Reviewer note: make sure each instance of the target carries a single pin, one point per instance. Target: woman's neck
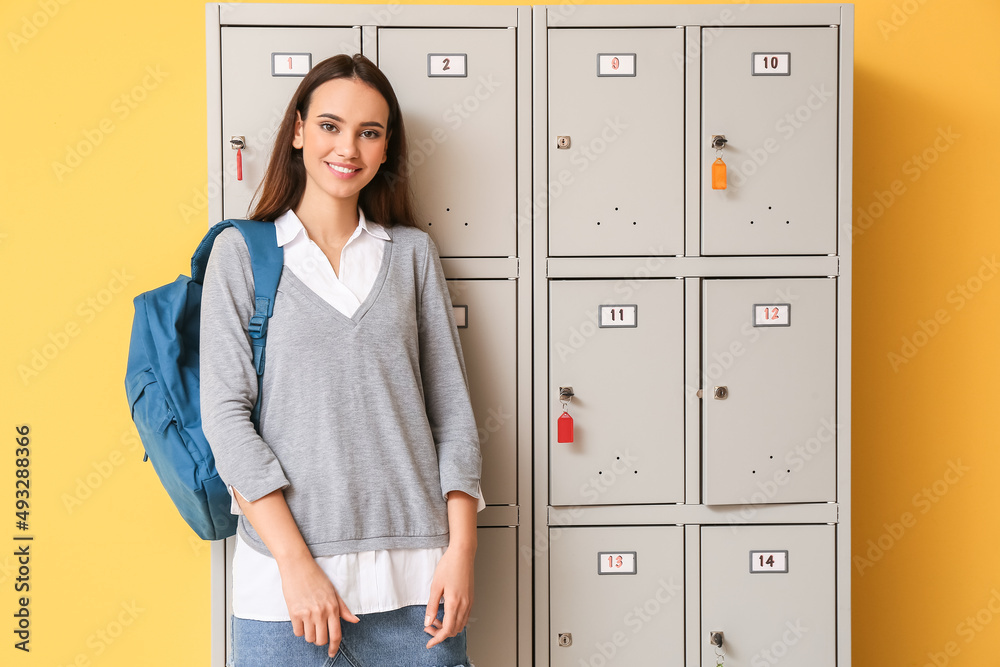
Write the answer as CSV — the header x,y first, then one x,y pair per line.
x,y
328,220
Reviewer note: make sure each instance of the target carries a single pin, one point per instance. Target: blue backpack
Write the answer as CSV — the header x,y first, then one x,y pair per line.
x,y
162,377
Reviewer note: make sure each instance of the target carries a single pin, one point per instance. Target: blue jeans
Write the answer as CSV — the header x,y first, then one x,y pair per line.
x,y
389,639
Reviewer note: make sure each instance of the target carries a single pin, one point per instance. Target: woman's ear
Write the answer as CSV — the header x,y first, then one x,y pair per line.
x,y
297,138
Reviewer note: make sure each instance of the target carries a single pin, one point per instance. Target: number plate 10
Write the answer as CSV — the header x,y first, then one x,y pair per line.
x,y
768,561
616,562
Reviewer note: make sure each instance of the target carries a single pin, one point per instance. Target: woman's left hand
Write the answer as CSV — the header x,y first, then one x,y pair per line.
x,y
453,580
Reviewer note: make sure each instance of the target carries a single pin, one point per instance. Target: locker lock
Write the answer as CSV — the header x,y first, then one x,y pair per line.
x,y
565,639
566,394
719,141
721,393
715,638
562,141
238,143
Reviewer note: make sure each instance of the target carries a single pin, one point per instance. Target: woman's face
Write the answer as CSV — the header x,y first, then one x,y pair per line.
x,y
343,138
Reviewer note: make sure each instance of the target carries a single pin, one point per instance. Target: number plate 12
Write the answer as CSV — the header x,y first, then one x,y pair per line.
x,y
772,315
616,562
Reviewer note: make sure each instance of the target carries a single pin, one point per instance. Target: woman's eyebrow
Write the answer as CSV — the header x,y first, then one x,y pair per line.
x,y
370,123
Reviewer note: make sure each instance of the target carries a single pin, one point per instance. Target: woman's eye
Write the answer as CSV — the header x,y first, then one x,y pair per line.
x,y
370,134
328,126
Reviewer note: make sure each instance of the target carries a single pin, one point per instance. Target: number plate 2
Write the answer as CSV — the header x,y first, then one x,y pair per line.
x,y
616,562
447,64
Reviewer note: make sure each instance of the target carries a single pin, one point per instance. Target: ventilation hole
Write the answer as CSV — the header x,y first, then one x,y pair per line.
x,y
751,222
598,222
788,470
754,471
600,472
447,209
768,208
636,472
616,208
619,458
770,457
429,224
786,222
466,224
633,222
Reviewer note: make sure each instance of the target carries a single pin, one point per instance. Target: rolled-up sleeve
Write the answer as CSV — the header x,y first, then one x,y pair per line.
x,y
446,389
228,378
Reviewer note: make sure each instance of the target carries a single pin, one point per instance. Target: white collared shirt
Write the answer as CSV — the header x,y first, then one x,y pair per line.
x,y
369,581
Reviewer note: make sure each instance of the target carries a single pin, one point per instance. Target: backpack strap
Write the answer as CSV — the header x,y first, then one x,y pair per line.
x,y
266,261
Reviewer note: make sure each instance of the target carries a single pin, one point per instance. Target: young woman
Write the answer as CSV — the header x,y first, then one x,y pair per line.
x,y
359,492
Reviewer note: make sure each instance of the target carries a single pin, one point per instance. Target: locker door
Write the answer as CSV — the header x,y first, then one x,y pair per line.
x,y
486,313
618,95
261,68
616,596
771,591
627,377
773,93
492,635
456,89
769,378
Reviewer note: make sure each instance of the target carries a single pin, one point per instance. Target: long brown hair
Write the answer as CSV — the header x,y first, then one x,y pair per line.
x,y
386,199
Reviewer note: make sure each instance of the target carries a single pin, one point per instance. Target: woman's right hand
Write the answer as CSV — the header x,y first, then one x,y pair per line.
x,y
314,605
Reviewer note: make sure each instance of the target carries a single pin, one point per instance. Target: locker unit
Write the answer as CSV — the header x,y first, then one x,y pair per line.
x,y
627,381
457,90
617,596
261,68
771,591
461,76
486,315
711,346
772,92
608,194
769,426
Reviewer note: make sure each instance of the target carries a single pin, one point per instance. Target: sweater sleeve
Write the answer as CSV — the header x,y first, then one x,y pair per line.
x,y
228,378
446,389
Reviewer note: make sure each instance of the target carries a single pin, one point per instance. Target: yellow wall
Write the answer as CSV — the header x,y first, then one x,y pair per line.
x,y
117,579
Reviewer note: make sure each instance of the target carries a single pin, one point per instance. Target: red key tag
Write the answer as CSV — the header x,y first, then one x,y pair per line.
x,y
239,164
564,426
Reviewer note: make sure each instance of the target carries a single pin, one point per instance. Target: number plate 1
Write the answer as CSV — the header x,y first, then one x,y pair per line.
x,y
768,561
616,562
772,315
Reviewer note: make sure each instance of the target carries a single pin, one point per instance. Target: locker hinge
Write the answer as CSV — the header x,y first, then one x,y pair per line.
x,y
700,394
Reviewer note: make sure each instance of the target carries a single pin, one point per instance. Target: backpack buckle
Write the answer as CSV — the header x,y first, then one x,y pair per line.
x,y
258,326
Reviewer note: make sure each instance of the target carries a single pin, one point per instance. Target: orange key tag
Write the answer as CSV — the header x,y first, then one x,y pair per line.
x,y
718,174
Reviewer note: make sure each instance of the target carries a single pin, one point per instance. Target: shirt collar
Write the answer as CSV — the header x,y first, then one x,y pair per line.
x,y
287,227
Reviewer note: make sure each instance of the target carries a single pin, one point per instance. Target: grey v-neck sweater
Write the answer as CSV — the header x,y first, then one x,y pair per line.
x,y
365,421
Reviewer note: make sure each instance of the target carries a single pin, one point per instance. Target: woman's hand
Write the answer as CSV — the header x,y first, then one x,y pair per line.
x,y
453,580
453,577
314,605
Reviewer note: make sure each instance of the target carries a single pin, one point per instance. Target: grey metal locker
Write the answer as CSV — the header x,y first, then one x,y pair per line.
x,y
261,68
771,591
616,179
617,596
769,377
492,628
457,91
619,345
486,314
772,92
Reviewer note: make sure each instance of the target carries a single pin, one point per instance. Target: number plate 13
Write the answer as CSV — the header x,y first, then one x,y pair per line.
x,y
616,562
